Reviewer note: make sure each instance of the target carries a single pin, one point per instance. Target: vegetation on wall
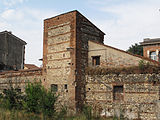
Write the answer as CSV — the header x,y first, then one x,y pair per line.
x,y
136,49
142,68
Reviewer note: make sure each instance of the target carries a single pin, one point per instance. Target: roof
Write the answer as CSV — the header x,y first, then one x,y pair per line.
x,y
10,33
144,58
149,41
78,13
30,66
20,71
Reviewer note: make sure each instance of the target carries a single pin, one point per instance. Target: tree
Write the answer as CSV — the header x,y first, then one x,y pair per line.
x,y
136,49
39,100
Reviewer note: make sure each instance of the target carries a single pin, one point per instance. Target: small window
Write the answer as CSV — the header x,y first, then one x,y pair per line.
x,y
95,60
54,87
153,55
65,86
118,93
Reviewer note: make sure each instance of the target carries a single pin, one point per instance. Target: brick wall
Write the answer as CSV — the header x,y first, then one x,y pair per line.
x,y
59,48
150,48
65,53
19,78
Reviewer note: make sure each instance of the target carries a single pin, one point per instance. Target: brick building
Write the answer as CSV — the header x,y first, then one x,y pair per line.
x,y
12,50
71,43
151,48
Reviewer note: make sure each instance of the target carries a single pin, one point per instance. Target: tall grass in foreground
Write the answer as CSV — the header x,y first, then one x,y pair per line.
x,y
22,115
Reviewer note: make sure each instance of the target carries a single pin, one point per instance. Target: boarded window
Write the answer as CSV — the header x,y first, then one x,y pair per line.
x,y
118,93
54,87
95,60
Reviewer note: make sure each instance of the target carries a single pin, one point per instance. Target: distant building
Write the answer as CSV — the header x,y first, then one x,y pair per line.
x,y
12,50
30,66
151,48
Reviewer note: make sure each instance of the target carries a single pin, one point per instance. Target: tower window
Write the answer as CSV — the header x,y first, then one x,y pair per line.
x,y
65,86
54,87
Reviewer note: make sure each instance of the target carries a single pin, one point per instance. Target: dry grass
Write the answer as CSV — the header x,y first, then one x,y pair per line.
x,y
122,70
21,115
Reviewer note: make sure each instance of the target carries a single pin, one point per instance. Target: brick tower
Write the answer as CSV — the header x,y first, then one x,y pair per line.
x,y
65,55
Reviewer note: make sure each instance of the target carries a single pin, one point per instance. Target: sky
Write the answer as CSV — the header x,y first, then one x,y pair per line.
x,y
125,22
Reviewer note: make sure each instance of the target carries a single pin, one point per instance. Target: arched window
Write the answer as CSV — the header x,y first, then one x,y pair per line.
x,y
153,55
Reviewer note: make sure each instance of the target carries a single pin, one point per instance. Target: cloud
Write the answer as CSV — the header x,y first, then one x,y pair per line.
x,y
10,3
27,24
130,22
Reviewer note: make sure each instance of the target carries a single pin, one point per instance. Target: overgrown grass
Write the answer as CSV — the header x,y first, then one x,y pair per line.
x,y
22,115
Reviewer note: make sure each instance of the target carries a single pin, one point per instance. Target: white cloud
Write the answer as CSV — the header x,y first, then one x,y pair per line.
x,y
27,24
131,22
12,2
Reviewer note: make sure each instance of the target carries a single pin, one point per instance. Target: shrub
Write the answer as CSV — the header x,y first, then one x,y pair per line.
x,y
38,100
87,111
33,96
12,98
48,103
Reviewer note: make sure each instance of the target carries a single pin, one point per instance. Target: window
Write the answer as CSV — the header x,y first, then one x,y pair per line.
x,y
65,86
95,60
153,55
118,93
54,87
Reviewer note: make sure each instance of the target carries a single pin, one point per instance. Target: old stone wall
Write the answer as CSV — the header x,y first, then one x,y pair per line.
x,y
138,99
59,55
113,57
85,31
65,54
19,78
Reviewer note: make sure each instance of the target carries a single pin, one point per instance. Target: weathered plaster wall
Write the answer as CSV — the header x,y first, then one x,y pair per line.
x,y
12,51
140,94
111,57
19,78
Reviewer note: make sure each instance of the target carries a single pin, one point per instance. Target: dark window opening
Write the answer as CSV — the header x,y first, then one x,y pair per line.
x,y
54,87
95,60
118,93
2,66
65,86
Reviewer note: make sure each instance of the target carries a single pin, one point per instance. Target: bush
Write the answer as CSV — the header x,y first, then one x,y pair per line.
x,y
48,103
12,98
32,102
39,100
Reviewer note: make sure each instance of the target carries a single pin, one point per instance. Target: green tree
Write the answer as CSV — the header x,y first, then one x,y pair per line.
x,y
39,100
136,49
32,102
